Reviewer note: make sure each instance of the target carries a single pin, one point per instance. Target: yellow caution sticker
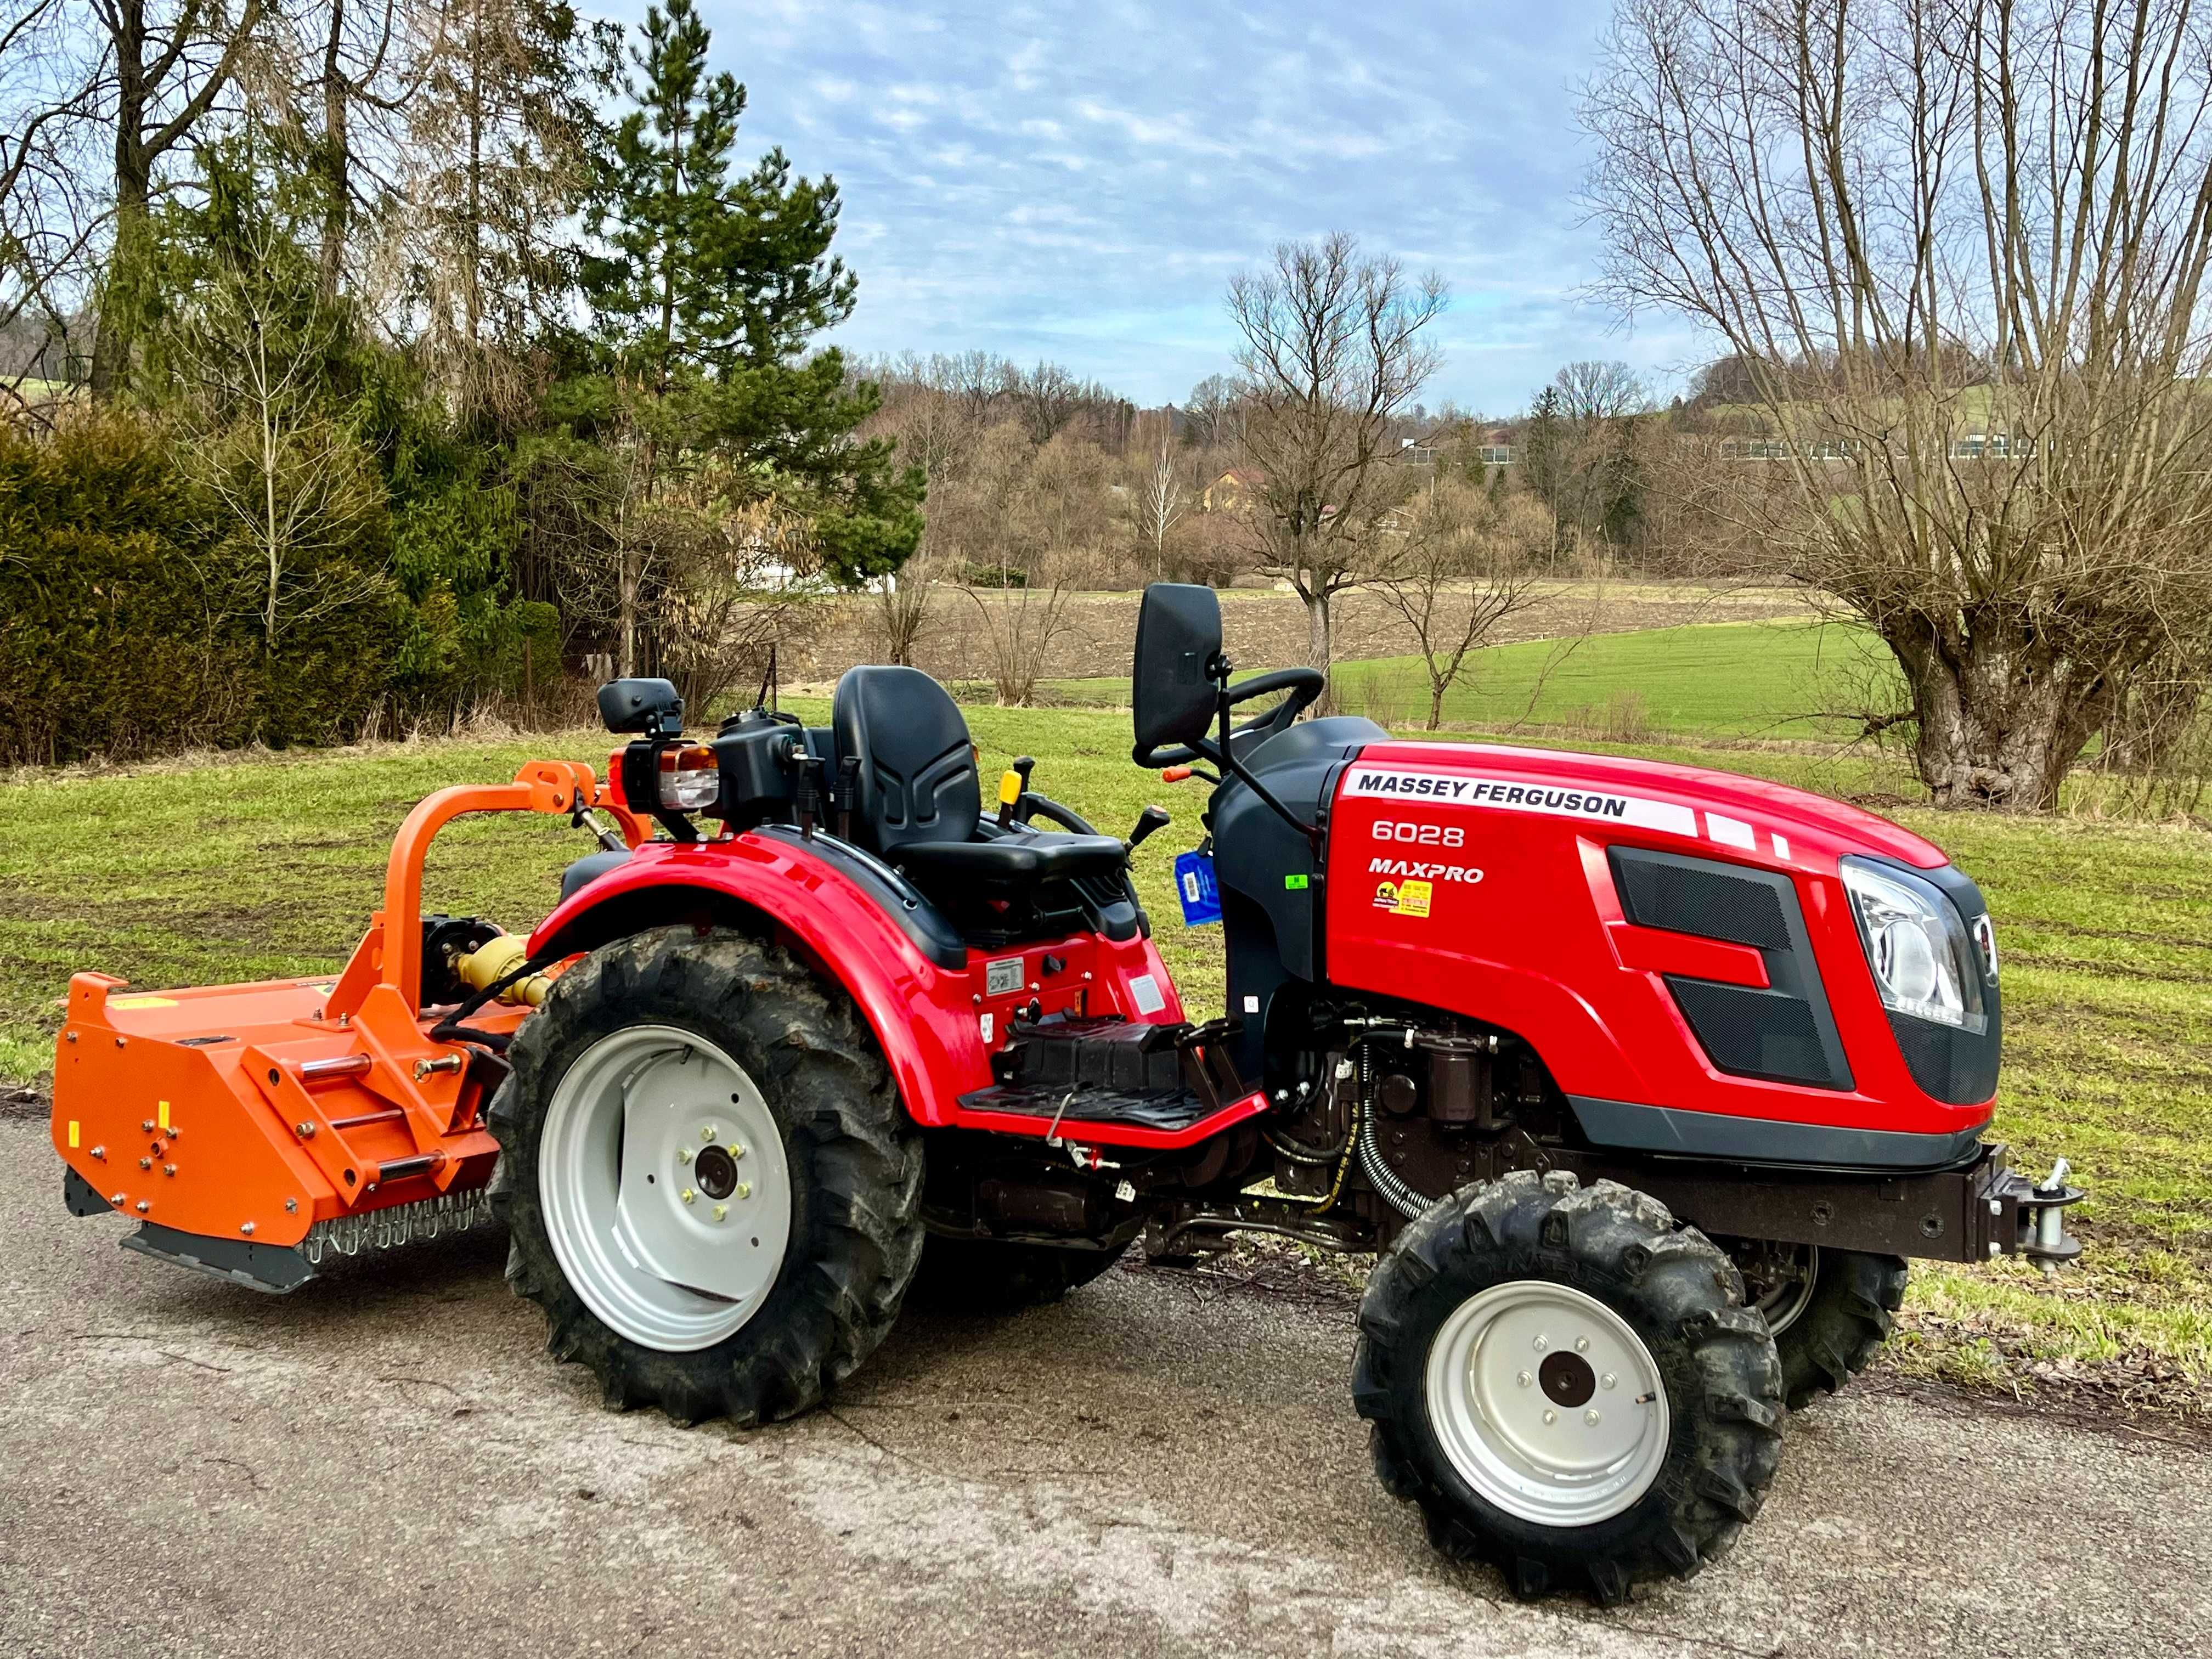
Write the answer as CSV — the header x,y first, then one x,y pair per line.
x,y
73,1141
1404,898
162,1114
142,1002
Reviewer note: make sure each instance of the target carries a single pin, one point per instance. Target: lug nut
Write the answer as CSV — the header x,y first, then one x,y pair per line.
x,y
1550,1417
737,1149
706,1134
1590,1417
1541,1343
1607,1381
683,1154
745,1189
721,1213
690,1196
1582,1345
1524,1379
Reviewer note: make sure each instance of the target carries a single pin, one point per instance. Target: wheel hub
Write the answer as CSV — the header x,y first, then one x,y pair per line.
x,y
1567,1378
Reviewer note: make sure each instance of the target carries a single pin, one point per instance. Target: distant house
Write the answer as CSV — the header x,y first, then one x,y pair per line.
x,y
1233,490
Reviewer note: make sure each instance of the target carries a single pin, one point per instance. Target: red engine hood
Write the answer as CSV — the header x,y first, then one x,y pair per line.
x,y
1831,826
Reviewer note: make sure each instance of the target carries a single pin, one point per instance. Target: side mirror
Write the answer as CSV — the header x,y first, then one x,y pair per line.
x,y
1172,690
651,707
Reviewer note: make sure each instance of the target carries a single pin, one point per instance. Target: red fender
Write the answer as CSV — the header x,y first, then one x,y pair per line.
x,y
930,1021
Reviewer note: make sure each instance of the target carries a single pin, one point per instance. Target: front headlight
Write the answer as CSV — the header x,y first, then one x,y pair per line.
x,y
1926,963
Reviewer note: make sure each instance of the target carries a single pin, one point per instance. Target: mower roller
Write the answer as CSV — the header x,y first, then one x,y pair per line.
x,y
1643,1081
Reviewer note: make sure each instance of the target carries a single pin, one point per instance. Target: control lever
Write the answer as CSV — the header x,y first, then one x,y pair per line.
x,y
1012,782
809,768
847,794
1150,819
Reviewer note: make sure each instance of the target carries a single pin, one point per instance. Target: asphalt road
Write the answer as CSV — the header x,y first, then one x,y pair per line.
x,y
387,1463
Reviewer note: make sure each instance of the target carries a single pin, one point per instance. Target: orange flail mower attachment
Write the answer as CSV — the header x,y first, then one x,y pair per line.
x,y
254,1113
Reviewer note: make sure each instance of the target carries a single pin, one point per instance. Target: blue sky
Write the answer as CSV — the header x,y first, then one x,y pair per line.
x,y
1078,181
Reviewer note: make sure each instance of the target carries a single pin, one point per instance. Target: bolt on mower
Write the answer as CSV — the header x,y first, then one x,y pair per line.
x,y
1643,1080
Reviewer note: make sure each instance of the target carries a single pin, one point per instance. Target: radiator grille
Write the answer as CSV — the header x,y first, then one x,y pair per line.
x,y
1703,899
1751,1033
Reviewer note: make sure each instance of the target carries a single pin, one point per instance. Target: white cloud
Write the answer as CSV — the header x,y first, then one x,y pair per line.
x,y
1079,181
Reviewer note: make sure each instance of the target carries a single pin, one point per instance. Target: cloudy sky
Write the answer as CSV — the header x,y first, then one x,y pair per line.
x,y
1079,181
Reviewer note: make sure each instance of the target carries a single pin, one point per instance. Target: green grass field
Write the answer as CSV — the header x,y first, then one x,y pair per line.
x,y
260,866
1710,680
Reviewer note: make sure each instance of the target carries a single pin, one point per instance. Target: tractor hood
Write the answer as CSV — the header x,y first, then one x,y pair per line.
x,y
1690,801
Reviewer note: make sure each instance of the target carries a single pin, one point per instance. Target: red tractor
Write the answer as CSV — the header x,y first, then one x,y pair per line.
x,y
1643,1080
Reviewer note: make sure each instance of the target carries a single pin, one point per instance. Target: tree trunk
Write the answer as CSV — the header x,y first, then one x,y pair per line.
x,y
2001,718
1321,644
1436,689
122,296
335,160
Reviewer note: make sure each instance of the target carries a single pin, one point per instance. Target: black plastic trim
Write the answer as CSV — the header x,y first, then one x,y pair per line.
x,y
1632,1127
1794,1005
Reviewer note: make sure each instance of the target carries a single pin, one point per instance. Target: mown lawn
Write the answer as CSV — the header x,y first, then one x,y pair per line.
x,y
257,865
1745,679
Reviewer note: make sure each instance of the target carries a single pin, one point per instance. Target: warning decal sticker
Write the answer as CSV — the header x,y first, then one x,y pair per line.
x,y
1404,898
1559,800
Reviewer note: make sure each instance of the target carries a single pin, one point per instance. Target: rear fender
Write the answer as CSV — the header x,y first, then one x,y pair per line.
x,y
920,1012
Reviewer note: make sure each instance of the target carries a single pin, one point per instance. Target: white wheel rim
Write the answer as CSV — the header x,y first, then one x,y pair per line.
x,y
1547,1403
665,1186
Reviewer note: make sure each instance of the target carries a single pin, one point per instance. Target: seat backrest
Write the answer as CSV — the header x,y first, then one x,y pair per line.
x,y
917,778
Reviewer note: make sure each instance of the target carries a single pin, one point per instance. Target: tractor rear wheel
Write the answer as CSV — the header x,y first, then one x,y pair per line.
x,y
1830,1310
981,1275
709,1182
1567,1385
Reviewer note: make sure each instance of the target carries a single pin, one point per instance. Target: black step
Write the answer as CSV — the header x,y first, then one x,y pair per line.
x,y
1092,1054
1166,1109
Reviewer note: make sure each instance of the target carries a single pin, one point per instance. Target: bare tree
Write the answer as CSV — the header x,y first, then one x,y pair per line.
x,y
1592,391
1158,500
50,210
1026,524
1460,563
1333,348
1209,413
1957,250
938,429
297,487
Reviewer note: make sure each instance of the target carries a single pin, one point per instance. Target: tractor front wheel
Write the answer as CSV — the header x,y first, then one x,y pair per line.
x,y
1830,1310
709,1182
1568,1385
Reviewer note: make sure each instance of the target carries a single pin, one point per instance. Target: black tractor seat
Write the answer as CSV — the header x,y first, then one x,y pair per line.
x,y
919,806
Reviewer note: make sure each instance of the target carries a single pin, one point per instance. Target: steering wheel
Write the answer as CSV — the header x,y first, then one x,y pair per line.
x,y
1304,685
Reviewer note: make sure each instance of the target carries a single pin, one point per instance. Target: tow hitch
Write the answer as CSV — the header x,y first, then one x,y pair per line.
x,y
2037,1228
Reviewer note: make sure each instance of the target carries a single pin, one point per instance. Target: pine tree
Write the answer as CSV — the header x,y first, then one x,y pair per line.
x,y
708,288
